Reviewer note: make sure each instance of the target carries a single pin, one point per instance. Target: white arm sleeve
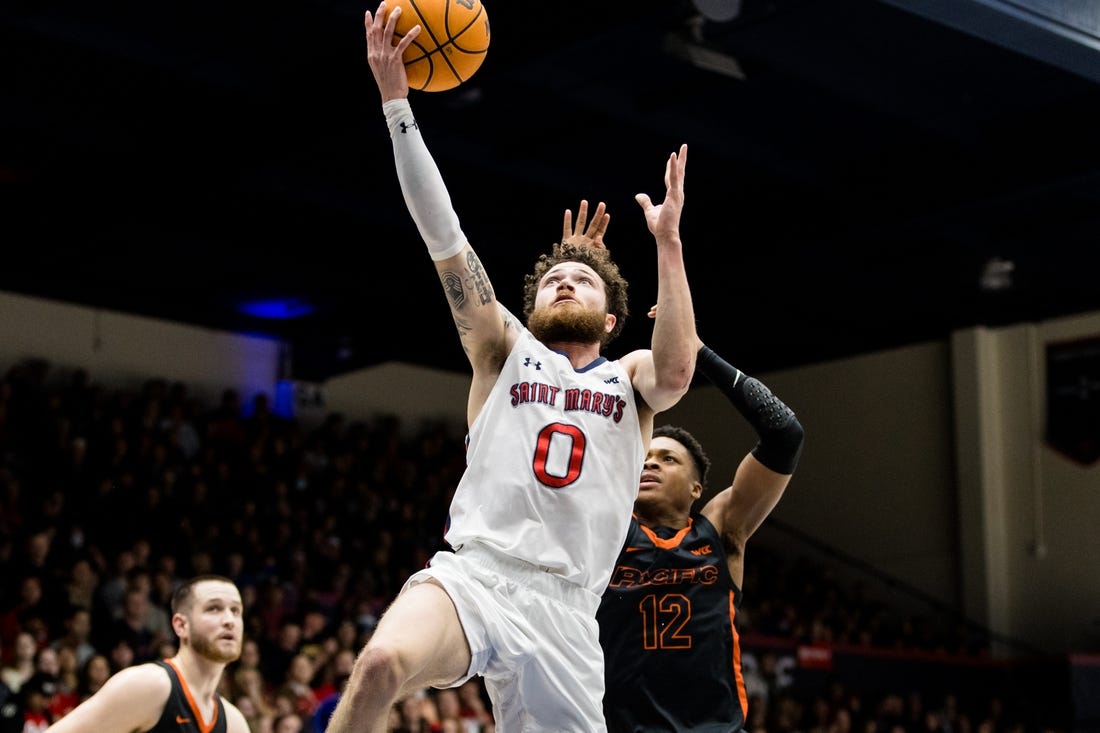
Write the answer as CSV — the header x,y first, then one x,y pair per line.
x,y
425,193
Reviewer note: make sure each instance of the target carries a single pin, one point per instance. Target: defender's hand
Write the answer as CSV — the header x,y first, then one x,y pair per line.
x,y
593,235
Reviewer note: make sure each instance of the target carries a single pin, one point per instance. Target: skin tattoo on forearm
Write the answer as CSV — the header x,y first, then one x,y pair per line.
x,y
481,283
452,286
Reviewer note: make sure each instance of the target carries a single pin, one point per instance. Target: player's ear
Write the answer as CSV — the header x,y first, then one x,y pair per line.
x,y
179,624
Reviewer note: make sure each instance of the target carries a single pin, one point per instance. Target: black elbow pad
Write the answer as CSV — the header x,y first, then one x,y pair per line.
x,y
780,432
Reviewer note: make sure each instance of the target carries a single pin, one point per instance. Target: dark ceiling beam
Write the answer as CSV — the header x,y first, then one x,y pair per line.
x,y
1063,34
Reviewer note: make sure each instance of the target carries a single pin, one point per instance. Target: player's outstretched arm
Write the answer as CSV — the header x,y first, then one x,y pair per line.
x,y
666,376
762,476
480,323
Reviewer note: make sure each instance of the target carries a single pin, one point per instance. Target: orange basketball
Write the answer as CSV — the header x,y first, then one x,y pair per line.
x,y
453,40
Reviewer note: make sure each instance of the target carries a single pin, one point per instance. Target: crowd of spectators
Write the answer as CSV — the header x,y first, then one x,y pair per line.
x,y
110,496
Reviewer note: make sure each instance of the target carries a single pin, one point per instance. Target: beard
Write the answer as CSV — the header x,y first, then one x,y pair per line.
x,y
212,650
554,325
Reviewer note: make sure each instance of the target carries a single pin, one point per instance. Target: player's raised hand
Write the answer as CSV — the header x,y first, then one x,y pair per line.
x,y
663,219
592,236
384,56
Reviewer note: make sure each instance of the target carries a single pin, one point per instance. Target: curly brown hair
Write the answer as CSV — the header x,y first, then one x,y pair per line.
x,y
600,261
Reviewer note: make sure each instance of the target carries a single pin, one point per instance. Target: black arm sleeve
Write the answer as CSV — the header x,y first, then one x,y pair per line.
x,y
779,430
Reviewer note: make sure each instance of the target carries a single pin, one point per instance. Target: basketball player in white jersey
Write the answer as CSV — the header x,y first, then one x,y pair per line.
x,y
557,437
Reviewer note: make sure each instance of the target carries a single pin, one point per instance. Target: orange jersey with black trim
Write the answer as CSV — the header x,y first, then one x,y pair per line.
x,y
672,659
181,711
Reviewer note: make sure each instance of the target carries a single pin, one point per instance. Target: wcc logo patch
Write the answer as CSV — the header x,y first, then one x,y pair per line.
x,y
1073,399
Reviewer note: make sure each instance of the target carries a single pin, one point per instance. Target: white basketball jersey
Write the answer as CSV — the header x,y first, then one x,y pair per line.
x,y
552,465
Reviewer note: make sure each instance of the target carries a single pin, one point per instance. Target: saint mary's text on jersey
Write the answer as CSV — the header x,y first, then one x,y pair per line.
x,y
583,400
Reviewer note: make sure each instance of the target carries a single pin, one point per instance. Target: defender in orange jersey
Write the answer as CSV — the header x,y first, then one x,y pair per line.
x,y
669,610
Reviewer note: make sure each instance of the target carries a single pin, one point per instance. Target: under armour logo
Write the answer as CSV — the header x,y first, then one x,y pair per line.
x,y
406,126
537,365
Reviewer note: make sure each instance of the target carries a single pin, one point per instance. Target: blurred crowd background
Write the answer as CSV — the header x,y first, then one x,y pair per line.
x,y
110,496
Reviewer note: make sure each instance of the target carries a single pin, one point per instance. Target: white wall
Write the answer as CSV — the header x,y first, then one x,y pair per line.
x,y
1029,512
876,478
415,393
122,349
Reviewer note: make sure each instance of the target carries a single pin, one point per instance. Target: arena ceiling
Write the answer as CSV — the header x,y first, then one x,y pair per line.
x,y
862,174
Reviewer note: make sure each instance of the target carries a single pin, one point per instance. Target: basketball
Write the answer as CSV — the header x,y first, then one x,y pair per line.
x,y
453,41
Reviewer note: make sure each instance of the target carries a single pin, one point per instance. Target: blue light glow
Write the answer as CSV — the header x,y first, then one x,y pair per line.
x,y
278,309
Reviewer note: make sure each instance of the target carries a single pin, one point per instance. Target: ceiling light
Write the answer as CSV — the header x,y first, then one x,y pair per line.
x,y
997,274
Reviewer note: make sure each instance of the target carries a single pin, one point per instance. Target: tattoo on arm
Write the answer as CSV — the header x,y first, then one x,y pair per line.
x,y
452,286
464,328
457,285
478,279
464,331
